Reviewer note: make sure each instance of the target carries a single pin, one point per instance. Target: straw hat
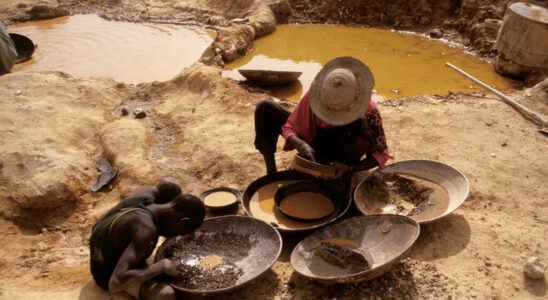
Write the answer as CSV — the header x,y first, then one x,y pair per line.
x,y
341,91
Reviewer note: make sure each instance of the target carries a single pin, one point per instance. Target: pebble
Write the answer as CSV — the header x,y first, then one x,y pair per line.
x,y
493,155
124,111
18,93
534,268
139,113
435,33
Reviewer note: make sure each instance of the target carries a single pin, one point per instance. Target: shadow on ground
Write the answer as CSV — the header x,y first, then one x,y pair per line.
x,y
265,287
535,287
399,283
92,292
443,238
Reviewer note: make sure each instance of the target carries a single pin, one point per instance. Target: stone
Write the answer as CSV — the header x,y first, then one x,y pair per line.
x,y
124,111
435,33
139,113
534,268
54,163
281,9
40,12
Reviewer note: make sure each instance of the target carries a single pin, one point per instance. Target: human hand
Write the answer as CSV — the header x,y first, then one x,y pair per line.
x,y
306,151
170,267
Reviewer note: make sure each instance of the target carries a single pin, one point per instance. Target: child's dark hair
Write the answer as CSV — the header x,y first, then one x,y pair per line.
x,y
168,188
192,207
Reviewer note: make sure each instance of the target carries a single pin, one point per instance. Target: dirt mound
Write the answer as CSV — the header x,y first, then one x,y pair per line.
x,y
398,13
54,163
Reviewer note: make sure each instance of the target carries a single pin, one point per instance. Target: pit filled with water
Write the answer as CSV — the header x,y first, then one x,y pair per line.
x,y
90,46
403,64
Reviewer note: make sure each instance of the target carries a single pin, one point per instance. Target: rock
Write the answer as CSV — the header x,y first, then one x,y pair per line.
x,y
39,12
124,111
263,21
53,164
234,41
139,113
435,33
484,35
281,9
534,268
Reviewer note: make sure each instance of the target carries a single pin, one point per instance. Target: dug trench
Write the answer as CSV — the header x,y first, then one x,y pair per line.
x,y
199,129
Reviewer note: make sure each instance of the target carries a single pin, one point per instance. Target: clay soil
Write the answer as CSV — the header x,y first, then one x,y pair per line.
x,y
199,128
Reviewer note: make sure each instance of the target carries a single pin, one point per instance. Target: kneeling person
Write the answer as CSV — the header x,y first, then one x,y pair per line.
x,y
126,236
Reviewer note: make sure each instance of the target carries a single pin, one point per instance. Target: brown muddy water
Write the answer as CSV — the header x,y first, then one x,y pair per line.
x,y
90,46
403,64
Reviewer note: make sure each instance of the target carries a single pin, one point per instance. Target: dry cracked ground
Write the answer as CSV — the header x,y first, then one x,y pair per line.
x,y
199,129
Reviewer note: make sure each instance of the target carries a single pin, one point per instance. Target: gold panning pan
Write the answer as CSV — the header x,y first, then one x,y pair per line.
x,y
318,170
270,78
383,241
258,201
218,237
450,189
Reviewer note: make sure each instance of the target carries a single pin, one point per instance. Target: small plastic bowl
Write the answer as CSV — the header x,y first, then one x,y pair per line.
x,y
237,197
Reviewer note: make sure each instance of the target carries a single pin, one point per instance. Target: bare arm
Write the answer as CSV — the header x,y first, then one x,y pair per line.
x,y
302,147
126,277
368,163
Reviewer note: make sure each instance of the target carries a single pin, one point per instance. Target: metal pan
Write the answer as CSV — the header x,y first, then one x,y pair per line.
x,y
24,46
383,240
450,179
270,78
265,248
342,204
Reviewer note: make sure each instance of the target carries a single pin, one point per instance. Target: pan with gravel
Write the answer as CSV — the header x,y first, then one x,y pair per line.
x,y
224,254
356,249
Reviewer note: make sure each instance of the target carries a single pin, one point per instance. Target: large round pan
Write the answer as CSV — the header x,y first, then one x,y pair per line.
x,y
342,203
24,46
450,179
270,78
383,240
265,248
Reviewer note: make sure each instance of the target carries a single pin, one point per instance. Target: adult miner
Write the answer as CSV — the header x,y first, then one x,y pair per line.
x,y
336,121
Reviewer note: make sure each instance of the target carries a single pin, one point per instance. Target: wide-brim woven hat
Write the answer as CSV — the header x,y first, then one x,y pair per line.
x,y
341,91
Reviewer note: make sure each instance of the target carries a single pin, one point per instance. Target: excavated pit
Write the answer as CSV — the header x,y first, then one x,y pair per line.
x,y
90,46
404,64
199,128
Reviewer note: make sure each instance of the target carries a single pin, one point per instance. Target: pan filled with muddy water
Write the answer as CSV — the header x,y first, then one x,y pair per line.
x,y
90,46
404,64
259,201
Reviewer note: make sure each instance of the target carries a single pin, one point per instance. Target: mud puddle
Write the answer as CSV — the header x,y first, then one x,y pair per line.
x,y
89,46
403,64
